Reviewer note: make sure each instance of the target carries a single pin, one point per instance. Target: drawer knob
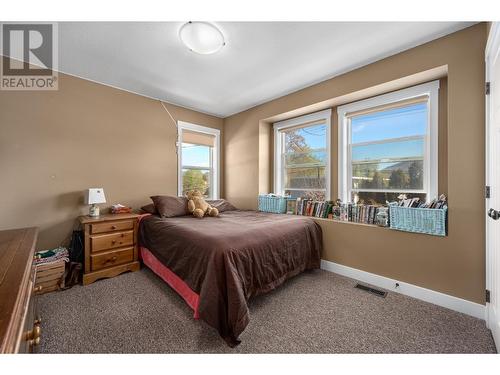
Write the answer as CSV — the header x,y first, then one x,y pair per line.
x,y
38,289
111,260
34,342
113,227
113,242
37,332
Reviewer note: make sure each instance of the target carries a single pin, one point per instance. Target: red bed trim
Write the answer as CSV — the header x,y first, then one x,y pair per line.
x,y
175,282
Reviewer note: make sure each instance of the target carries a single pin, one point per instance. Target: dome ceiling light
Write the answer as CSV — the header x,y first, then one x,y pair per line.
x,y
201,37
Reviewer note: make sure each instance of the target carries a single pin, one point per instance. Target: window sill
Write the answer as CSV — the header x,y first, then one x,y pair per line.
x,y
347,222
374,226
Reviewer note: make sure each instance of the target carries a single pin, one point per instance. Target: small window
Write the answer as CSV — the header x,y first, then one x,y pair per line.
x,y
302,156
198,154
389,146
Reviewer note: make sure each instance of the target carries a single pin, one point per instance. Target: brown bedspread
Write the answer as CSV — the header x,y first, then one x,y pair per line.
x,y
231,258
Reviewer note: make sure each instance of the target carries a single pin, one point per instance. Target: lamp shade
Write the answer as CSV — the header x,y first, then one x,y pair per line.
x,y
94,196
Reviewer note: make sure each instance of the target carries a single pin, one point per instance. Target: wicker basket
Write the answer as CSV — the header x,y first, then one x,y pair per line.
x,y
272,203
418,220
50,276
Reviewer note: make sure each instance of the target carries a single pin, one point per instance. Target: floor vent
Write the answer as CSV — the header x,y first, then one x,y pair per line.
x,y
377,292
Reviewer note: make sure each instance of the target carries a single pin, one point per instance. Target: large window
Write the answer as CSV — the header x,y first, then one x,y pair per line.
x,y
198,154
302,156
388,146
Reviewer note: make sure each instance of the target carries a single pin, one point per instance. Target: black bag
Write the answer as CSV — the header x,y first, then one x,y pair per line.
x,y
72,275
73,272
76,247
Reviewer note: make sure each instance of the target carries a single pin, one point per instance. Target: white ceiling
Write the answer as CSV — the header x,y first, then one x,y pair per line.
x,y
260,62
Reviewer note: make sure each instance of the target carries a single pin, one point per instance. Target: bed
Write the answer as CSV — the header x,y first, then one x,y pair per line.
x,y
217,264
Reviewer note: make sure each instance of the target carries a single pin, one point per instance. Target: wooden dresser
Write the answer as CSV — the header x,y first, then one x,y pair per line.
x,y
110,245
19,324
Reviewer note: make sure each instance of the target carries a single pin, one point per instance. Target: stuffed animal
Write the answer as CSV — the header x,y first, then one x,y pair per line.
x,y
198,206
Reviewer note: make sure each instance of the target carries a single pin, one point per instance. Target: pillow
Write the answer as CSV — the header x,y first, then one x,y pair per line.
x,y
168,206
150,209
222,205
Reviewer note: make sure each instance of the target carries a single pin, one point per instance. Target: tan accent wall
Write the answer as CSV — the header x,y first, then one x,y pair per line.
x,y
453,265
54,145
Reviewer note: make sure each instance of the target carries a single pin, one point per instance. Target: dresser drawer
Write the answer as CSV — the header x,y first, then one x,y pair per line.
x,y
111,226
112,240
111,258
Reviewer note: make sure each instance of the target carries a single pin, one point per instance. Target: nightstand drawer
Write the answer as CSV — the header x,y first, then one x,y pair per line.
x,y
112,240
111,258
111,226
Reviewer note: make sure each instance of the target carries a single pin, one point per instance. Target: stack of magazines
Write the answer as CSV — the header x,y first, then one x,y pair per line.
x,y
437,203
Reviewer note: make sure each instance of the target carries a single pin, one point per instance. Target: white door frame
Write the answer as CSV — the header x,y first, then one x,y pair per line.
x,y
491,54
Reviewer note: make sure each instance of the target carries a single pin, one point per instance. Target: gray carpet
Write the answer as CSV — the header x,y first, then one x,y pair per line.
x,y
316,312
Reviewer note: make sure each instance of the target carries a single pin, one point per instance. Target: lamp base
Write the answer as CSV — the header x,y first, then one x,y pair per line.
x,y
94,211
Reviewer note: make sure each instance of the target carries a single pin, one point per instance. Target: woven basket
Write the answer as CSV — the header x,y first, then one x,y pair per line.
x,y
272,203
418,220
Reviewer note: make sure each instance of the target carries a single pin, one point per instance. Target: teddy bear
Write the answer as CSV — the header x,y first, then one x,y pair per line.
x,y
198,206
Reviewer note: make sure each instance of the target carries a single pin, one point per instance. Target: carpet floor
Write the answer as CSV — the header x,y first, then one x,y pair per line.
x,y
316,312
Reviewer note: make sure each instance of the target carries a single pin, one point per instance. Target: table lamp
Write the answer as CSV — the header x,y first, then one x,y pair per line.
x,y
93,197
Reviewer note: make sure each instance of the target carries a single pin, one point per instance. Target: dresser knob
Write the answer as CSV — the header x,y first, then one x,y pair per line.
x,y
111,260
113,242
113,227
34,342
38,289
37,332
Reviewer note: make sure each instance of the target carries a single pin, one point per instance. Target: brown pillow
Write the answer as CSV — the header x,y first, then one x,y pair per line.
x,y
150,209
168,206
222,205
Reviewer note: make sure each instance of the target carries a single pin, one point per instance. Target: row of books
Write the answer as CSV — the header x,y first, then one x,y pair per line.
x,y
366,214
308,207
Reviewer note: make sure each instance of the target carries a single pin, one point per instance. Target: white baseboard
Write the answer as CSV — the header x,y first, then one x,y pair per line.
x,y
492,322
454,303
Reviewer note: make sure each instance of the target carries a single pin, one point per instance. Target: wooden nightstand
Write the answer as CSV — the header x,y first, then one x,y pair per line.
x,y
110,245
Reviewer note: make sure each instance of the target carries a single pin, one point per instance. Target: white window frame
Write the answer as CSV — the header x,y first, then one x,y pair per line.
x,y
325,115
430,89
214,157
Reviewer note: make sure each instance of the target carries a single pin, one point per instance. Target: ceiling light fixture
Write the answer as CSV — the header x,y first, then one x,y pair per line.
x,y
201,37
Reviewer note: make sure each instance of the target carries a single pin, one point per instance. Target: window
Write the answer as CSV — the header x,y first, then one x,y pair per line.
x,y
198,156
388,146
302,156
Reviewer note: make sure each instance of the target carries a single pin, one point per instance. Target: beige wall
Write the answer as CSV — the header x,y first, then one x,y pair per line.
x,y
53,145
454,265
